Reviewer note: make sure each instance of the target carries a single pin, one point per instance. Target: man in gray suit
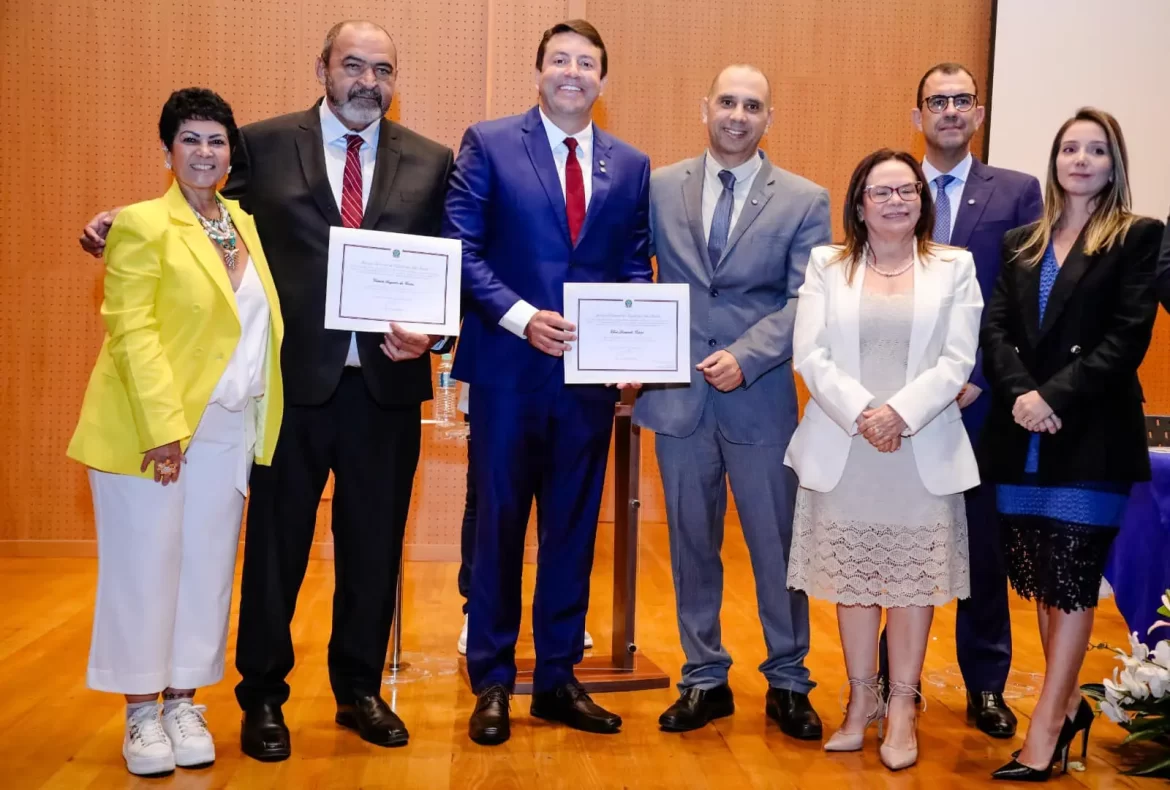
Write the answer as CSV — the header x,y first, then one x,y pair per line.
x,y
738,230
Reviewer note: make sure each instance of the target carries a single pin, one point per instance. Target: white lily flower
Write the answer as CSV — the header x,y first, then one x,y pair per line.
x,y
1137,648
1134,687
1156,625
1161,654
1115,713
1157,678
1115,691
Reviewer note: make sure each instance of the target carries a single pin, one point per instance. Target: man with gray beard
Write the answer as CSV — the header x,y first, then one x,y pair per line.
x,y
352,400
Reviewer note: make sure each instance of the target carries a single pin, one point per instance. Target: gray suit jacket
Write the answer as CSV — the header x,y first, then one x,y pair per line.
x,y
744,303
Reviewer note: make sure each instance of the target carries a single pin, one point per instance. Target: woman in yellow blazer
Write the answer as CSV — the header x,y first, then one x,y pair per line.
x,y
186,392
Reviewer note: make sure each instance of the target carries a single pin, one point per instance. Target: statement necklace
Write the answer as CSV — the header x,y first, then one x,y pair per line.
x,y
223,232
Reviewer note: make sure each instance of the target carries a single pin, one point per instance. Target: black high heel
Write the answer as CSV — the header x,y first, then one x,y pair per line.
x,y
1015,771
1082,720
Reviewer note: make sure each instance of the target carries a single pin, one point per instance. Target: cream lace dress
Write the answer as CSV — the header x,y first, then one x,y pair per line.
x,y
880,538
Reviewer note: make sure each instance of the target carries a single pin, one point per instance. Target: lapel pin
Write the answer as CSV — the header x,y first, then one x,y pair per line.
x,y
755,202
971,202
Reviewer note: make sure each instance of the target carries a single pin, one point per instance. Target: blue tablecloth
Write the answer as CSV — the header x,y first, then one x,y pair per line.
x,y
1138,568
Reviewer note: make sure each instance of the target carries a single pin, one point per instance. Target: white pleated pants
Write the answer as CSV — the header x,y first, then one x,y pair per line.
x,y
166,561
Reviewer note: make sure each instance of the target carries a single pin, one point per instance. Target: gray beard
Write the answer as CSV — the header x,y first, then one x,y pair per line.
x,y
358,115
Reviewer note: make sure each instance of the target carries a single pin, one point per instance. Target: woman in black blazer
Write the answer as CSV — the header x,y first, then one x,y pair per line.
x,y
1067,327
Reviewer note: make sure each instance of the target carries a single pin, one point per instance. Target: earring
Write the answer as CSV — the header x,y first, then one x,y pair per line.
x,y
229,169
167,164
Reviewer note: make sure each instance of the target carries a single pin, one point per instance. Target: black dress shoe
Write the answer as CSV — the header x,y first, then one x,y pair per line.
x,y
570,705
263,734
794,713
373,720
990,714
489,722
696,707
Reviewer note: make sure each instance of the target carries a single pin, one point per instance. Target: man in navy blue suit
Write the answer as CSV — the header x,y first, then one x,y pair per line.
x,y
975,205
538,200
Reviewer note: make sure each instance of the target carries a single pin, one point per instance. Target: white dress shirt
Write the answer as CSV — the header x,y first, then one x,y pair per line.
x,y
745,176
517,318
960,172
333,134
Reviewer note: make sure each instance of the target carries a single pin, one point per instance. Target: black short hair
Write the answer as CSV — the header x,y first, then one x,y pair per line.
x,y
944,68
195,104
581,28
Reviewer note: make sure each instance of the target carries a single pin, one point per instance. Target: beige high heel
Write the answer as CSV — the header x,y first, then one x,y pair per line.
x,y
842,741
892,757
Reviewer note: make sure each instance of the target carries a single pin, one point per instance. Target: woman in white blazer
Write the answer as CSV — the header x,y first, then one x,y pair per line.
x,y
886,331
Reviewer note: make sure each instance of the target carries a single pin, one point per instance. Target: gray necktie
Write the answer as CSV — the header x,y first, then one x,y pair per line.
x,y
721,221
942,210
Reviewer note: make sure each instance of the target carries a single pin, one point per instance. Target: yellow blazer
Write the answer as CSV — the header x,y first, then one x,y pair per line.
x,y
171,327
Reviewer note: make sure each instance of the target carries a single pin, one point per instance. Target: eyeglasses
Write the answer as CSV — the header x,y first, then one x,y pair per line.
x,y
881,194
964,102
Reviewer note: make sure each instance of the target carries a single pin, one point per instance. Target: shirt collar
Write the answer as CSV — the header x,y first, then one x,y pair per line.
x,y
333,130
743,173
959,172
556,135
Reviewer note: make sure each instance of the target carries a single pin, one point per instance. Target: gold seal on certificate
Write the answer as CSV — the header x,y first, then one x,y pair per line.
x,y
377,277
628,332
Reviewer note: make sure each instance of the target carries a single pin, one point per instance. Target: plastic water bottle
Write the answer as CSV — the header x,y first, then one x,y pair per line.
x,y
446,393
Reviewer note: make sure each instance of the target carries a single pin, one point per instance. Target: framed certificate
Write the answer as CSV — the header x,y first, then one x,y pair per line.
x,y
628,332
376,277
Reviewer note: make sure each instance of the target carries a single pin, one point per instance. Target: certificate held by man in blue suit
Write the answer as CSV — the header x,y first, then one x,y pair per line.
x,y
628,332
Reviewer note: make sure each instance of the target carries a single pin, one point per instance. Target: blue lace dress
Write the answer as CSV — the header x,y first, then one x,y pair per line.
x,y
1057,537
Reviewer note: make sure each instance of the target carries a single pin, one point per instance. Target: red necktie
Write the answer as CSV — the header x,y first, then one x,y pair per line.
x,y
574,191
351,183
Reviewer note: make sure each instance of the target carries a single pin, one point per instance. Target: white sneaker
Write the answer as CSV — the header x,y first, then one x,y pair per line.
x,y
191,741
145,746
588,640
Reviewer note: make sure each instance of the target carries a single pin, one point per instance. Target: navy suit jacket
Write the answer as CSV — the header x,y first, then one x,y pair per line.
x,y
506,205
995,200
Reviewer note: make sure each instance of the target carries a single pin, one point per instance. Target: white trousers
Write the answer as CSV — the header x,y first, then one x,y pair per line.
x,y
166,561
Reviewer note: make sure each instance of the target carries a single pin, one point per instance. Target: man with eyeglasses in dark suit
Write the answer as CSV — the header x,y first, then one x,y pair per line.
x,y
975,205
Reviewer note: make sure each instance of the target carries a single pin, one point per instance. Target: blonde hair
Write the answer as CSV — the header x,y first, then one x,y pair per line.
x,y
1111,218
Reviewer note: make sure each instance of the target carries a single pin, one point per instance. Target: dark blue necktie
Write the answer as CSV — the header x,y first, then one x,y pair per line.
x,y
942,210
721,221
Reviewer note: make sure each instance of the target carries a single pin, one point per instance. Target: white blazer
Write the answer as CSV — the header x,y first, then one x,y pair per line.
x,y
826,352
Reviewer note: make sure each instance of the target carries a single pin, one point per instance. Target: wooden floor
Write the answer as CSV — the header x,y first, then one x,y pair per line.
x,y
56,733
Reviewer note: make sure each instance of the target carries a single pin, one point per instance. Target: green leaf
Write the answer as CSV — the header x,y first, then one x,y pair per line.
x,y
1146,734
1160,763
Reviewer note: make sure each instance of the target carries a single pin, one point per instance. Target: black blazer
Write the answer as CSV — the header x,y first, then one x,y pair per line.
x,y
1162,282
1083,360
279,177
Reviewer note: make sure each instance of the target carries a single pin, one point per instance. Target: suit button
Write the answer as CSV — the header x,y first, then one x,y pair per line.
x,y
711,342
196,308
219,356
714,292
